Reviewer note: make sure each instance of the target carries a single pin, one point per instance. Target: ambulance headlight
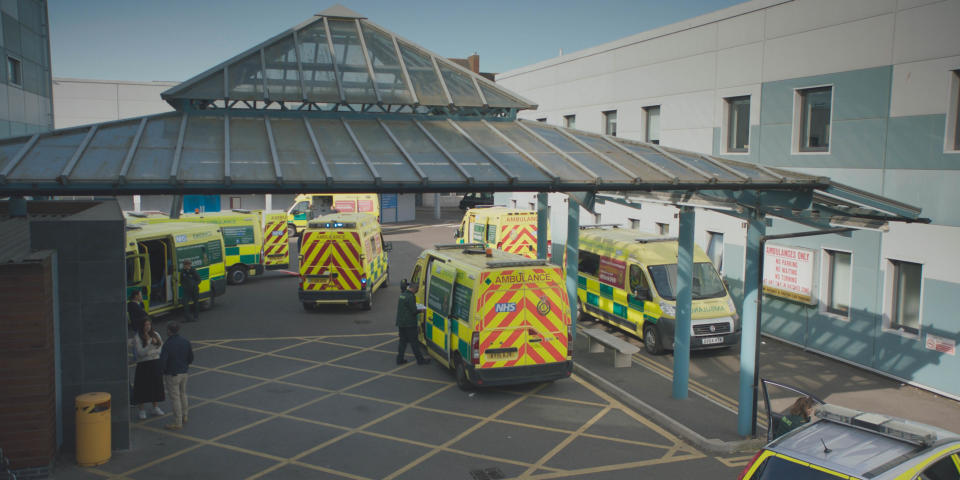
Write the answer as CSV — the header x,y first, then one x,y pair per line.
x,y
733,309
668,309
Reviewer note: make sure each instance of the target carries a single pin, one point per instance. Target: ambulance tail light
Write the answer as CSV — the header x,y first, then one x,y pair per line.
x,y
549,249
475,348
499,245
570,341
747,468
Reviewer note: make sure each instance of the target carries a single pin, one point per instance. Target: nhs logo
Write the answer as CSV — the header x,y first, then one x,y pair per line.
x,y
506,307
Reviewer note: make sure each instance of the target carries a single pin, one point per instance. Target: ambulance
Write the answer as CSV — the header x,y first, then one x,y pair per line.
x,y
276,246
629,279
155,252
242,238
310,205
343,260
507,229
492,317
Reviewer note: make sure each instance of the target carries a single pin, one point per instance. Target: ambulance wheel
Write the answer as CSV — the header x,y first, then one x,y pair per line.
x,y
651,340
237,275
308,306
368,303
462,381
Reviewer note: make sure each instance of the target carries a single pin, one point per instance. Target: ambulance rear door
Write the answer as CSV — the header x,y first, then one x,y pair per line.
x,y
546,316
502,324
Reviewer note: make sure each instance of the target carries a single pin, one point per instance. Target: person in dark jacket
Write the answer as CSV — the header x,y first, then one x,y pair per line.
x,y
175,359
190,283
798,414
407,325
135,310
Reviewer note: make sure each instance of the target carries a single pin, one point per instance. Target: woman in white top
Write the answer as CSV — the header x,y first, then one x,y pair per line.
x,y
148,381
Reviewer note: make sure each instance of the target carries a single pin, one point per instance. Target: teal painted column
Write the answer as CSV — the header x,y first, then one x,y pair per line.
x,y
681,335
756,228
573,259
18,206
543,214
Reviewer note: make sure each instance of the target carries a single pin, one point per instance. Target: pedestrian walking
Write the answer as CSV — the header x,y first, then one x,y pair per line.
x,y
175,359
407,311
135,311
148,379
190,283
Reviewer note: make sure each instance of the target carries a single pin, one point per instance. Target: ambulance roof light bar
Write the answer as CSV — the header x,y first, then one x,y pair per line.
x,y
457,246
891,427
599,225
657,239
519,263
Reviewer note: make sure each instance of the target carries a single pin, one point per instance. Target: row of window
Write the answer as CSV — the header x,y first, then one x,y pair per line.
x,y
907,278
812,113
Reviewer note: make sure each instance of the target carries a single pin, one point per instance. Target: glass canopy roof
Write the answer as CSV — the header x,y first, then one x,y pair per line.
x,y
338,60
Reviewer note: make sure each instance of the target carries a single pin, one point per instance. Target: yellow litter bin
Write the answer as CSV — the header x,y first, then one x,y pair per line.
x,y
93,428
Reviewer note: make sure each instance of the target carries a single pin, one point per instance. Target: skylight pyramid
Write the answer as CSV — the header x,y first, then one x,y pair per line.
x,y
340,61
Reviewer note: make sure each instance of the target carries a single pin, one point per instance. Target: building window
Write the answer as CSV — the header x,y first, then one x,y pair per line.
x,y
715,249
610,123
838,282
570,121
542,119
738,124
651,117
815,104
905,309
14,71
663,228
235,203
634,224
533,206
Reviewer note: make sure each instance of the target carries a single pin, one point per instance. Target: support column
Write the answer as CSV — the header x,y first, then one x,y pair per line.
x,y
573,259
268,202
436,206
681,335
18,206
175,206
756,228
136,203
543,215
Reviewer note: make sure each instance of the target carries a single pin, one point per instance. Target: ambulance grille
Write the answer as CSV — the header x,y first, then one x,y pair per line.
x,y
711,328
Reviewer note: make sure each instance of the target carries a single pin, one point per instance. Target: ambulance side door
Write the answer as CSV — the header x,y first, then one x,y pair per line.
x,y
438,297
417,278
638,295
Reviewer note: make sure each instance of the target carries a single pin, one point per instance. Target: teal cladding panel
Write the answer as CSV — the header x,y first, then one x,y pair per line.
x,y
620,310
606,291
916,142
939,196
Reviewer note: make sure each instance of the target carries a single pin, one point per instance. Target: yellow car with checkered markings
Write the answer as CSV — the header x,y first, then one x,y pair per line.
x,y
343,260
850,444
628,279
493,317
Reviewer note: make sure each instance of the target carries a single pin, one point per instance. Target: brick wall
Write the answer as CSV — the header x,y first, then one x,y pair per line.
x,y
27,355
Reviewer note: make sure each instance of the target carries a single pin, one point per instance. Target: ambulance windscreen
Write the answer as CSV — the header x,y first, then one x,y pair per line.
x,y
706,282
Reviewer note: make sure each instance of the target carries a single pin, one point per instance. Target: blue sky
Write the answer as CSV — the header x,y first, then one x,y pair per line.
x,y
143,40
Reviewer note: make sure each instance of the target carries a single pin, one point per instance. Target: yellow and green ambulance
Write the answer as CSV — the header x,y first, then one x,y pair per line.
x,y
154,253
309,205
628,279
508,229
493,317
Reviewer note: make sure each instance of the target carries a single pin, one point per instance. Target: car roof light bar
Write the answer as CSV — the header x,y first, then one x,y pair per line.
x,y
891,427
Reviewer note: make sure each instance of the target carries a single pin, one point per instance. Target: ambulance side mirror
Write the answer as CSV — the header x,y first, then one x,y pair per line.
x,y
403,285
388,246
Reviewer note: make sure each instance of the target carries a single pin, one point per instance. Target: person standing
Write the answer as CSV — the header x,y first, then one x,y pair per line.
x,y
135,310
148,379
407,325
190,283
797,415
175,359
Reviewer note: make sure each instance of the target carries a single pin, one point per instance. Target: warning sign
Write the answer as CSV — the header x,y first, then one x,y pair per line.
x,y
788,273
940,344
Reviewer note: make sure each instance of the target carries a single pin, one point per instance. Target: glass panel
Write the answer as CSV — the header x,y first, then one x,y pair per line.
x,y
154,155
738,124
105,154
460,86
655,158
749,170
652,124
503,152
709,168
466,154
8,150
909,277
544,154
283,79
839,283
382,152
641,170
318,79
202,157
610,123
207,88
815,119
246,79
342,156
297,159
433,163
423,76
386,66
48,156
497,99
354,75
582,155
250,159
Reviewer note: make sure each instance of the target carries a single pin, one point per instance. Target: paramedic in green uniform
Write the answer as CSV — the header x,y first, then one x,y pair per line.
x,y
190,284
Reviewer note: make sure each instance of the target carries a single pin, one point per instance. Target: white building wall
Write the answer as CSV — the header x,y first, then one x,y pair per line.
x,y
82,102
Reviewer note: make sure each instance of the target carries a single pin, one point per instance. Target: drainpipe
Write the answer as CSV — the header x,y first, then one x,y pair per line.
x,y
542,215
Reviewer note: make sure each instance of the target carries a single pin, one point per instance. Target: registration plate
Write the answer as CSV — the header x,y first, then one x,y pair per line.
x,y
711,340
501,356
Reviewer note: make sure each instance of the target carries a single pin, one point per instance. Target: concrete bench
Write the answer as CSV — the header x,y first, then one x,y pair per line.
x,y
622,351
